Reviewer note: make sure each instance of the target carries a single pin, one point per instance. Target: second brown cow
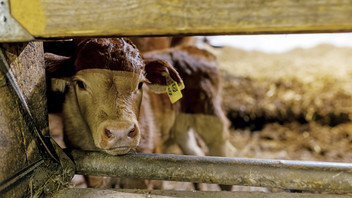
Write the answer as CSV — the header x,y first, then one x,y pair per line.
x,y
199,111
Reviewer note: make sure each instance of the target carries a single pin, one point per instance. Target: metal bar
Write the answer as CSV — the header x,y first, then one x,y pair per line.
x,y
300,175
19,175
137,193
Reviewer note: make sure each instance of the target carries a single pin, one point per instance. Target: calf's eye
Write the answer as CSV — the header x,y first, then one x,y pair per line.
x,y
81,84
140,85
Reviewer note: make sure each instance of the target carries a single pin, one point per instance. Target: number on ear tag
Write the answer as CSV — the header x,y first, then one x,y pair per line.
x,y
174,92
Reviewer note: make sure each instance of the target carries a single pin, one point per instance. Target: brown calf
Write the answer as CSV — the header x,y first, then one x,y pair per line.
x,y
107,108
199,112
200,108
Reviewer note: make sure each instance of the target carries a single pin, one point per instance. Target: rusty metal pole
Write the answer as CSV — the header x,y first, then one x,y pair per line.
x,y
300,175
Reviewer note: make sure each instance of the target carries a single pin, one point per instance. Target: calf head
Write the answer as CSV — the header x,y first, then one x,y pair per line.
x,y
103,82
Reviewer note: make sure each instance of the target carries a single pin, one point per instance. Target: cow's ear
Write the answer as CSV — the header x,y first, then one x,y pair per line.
x,y
58,69
160,74
58,66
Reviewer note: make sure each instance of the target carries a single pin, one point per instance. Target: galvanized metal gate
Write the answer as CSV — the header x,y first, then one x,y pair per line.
x,y
33,165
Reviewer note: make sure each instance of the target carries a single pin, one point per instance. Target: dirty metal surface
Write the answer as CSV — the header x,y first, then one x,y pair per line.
x,y
107,193
299,175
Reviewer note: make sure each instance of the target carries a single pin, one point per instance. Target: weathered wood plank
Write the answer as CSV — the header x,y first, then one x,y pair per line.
x,y
10,29
69,18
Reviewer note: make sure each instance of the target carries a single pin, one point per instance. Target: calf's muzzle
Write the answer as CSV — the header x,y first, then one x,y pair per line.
x,y
118,137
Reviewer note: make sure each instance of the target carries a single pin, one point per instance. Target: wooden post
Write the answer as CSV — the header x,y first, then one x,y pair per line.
x,y
27,165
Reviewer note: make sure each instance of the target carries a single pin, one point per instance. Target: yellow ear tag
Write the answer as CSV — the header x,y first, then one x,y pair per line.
x,y
182,86
173,90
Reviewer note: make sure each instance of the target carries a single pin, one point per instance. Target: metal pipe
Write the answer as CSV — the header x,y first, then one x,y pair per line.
x,y
19,175
287,174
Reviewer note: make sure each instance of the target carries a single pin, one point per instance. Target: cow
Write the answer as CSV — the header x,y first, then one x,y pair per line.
x,y
108,103
199,112
200,109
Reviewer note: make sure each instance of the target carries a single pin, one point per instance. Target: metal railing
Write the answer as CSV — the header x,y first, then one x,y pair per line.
x,y
286,174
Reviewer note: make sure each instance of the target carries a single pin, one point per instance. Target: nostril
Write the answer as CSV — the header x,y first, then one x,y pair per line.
x,y
108,133
132,133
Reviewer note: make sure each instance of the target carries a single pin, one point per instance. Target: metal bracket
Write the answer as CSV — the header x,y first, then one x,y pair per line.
x,y
10,29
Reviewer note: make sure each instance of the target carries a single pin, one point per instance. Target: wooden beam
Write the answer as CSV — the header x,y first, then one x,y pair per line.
x,y
72,18
10,29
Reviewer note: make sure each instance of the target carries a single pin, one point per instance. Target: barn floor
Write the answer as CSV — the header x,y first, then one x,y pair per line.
x,y
295,141
295,105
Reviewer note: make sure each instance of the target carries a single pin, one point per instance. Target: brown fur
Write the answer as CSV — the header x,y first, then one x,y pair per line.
x,y
200,108
113,54
146,44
